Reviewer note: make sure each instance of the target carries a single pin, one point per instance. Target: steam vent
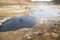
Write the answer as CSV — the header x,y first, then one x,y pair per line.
x,y
29,19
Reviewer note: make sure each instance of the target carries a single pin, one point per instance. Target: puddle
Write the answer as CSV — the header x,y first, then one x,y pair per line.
x,y
18,23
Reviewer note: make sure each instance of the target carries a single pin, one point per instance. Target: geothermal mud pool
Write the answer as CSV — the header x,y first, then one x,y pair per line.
x,y
36,14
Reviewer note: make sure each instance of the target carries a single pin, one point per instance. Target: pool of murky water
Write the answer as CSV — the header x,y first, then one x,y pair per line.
x,y
18,23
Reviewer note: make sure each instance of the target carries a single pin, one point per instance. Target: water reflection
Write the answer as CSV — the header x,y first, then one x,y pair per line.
x,y
17,23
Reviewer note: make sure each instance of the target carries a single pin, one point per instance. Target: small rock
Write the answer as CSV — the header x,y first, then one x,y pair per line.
x,y
46,34
54,34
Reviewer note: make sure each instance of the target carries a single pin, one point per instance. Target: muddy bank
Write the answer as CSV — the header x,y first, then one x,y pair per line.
x,y
50,30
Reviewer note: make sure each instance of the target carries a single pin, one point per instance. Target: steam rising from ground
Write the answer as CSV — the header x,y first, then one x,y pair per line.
x,y
44,11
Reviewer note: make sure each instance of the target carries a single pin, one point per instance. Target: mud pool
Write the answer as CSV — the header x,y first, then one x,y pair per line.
x,y
36,14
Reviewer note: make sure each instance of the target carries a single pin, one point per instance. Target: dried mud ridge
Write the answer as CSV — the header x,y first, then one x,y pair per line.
x,y
47,31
